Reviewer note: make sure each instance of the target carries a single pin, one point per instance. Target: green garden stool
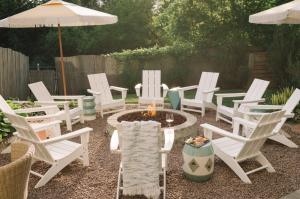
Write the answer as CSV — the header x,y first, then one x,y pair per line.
x,y
173,95
89,111
198,163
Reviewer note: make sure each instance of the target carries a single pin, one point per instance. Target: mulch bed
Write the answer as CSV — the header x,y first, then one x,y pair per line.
x,y
159,117
99,180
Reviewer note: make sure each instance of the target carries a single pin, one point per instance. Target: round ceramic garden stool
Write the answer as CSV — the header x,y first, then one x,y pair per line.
x,y
198,163
89,110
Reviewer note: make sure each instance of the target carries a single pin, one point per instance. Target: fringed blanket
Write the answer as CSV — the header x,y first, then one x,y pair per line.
x,y
140,146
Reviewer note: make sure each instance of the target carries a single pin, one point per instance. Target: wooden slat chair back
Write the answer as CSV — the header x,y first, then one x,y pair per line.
x,y
99,83
208,81
25,131
255,92
289,106
41,93
259,135
151,84
4,107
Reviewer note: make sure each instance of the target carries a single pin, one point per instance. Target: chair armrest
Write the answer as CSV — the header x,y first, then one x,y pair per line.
x,y
42,117
209,129
114,142
181,90
118,88
188,88
122,90
67,136
52,102
211,91
138,89
264,107
248,101
45,126
69,97
165,89
169,140
244,122
230,94
93,92
236,103
289,115
220,96
36,109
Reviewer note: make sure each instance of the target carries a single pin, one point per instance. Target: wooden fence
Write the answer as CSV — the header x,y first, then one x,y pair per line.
x,y
14,69
15,73
47,76
78,67
260,68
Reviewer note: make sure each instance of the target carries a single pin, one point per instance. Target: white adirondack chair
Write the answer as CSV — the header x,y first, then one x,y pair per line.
x,y
102,91
44,98
204,94
233,149
280,135
151,89
168,144
35,121
252,97
57,151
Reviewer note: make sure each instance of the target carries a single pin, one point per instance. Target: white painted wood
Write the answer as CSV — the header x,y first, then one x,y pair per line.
x,y
35,121
204,95
252,97
168,144
279,134
44,98
151,89
233,148
58,151
101,90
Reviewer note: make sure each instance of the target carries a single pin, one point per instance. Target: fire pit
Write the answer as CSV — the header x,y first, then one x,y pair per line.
x,y
184,124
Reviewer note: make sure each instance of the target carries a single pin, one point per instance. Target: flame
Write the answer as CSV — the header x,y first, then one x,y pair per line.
x,y
151,110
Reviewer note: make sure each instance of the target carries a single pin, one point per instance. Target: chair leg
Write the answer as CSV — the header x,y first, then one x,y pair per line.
x,y
69,124
165,184
101,113
85,157
203,111
81,118
57,167
283,140
217,115
119,182
50,174
233,164
264,162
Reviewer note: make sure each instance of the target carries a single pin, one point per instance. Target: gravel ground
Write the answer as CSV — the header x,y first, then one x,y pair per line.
x,y
99,180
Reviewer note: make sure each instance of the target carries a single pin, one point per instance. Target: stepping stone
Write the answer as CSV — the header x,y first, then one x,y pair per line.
x,y
294,195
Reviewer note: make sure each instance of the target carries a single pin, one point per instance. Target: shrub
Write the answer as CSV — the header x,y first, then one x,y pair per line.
x,y
281,97
6,130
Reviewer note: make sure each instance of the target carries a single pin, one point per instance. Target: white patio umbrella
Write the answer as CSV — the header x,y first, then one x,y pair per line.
x,y
57,13
288,13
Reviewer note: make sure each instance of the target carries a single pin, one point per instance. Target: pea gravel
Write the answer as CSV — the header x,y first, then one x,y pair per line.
x,y
99,180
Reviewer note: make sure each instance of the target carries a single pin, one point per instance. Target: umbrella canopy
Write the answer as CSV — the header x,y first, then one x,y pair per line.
x,y
57,13
288,13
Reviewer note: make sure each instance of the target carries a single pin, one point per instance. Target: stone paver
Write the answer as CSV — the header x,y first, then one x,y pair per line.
x,y
294,195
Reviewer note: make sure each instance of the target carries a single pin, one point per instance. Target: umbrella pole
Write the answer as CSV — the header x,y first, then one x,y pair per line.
x,y
62,66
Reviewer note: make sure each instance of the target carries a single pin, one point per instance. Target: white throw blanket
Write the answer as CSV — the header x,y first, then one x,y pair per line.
x,y
141,162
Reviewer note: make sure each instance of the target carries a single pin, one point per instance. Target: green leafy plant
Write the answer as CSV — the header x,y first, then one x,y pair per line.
x,y
6,130
282,96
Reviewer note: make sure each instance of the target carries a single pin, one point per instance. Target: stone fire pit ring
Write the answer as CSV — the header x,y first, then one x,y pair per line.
x,y
182,131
